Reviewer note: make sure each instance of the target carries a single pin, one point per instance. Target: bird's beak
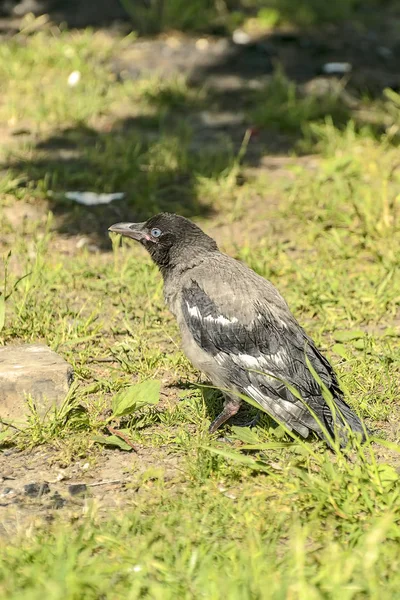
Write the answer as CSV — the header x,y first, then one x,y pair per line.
x,y
132,230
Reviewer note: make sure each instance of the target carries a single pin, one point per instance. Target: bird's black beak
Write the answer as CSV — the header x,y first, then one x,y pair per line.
x,y
133,230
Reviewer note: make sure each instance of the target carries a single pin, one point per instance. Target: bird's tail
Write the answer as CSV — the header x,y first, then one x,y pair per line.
x,y
344,420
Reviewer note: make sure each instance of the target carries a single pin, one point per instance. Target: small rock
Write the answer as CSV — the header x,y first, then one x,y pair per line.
x,y
57,501
336,68
32,369
202,44
240,37
83,241
10,452
77,489
8,496
36,490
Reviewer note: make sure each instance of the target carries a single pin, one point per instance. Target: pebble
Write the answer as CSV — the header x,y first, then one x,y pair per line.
x,y
83,241
240,37
336,68
77,488
57,501
36,490
202,44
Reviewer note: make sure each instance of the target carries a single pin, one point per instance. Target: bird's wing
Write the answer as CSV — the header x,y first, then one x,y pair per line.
x,y
248,352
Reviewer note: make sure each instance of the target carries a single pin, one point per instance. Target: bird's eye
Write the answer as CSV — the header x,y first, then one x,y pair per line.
x,y
155,232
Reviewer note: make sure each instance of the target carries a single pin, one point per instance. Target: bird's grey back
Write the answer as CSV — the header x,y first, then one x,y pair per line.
x,y
232,284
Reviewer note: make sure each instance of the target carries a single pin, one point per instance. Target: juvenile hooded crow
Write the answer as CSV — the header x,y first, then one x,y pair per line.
x,y
239,331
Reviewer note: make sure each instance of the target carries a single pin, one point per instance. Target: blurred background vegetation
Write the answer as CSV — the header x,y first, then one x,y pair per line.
x,y
212,16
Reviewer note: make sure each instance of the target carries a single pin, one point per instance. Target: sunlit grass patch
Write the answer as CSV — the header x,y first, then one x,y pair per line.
x,y
282,105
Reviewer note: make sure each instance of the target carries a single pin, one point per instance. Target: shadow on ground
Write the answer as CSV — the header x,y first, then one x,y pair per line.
x,y
157,170
158,160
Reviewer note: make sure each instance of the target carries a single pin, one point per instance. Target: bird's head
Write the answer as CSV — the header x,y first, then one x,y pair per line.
x,y
170,239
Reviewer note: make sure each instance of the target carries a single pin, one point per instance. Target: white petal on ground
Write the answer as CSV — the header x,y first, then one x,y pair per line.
x,y
92,198
74,78
336,68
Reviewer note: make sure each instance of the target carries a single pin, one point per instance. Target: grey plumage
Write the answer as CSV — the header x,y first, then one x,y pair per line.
x,y
238,329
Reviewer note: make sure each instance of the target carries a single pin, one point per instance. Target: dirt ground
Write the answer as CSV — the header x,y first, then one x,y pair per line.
x,y
33,485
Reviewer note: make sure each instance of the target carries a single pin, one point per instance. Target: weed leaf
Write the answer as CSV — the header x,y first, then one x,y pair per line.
x,y
239,458
112,440
348,336
245,434
340,350
136,396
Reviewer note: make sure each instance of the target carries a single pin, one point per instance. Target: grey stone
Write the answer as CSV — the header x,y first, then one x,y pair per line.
x,y
36,490
32,369
76,489
57,501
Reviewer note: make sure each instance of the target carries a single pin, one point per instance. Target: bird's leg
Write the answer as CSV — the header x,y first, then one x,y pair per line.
x,y
231,407
253,421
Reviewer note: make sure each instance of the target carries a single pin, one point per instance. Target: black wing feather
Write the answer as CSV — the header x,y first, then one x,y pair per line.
x,y
276,346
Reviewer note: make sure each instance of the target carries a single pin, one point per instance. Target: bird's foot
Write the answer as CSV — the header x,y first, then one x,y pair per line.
x,y
230,409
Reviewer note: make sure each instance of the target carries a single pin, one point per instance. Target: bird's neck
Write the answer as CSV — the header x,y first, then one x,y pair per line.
x,y
185,261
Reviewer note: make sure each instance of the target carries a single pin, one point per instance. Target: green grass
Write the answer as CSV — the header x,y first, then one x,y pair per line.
x,y
263,516
281,105
214,541
206,15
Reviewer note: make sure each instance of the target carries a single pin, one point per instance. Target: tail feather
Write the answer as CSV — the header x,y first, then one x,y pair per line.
x,y
340,423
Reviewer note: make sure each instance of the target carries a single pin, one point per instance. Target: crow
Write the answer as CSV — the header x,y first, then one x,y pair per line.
x,y
239,331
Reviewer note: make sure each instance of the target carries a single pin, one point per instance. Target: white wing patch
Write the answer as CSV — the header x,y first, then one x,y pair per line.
x,y
279,358
221,320
259,362
282,322
193,311
250,361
